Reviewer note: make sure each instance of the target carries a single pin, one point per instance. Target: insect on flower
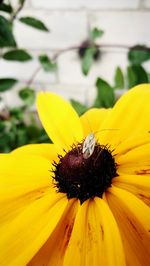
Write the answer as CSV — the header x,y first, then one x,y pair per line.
x,y
88,145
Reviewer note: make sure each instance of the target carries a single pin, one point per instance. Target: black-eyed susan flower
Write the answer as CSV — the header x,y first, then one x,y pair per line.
x,y
83,200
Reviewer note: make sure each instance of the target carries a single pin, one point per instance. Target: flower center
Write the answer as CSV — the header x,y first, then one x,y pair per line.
x,y
85,177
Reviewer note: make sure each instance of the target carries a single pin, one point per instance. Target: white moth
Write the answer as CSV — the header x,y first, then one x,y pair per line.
x,y
88,145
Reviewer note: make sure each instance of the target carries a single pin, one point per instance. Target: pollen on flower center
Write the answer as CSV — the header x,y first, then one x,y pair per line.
x,y
85,178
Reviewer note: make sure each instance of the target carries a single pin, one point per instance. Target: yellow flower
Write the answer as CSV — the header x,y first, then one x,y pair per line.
x,y
89,205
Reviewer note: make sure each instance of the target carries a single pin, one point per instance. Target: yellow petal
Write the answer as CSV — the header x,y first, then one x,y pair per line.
x,y
133,218
136,168
138,185
23,179
140,154
95,239
135,161
53,250
24,169
44,150
130,116
130,143
22,238
14,200
113,248
77,241
92,119
59,119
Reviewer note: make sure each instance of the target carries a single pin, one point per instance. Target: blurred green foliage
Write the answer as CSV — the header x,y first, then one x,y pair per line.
x,y
47,64
14,133
18,126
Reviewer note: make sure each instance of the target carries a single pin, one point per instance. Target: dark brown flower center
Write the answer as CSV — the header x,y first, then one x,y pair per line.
x,y
85,178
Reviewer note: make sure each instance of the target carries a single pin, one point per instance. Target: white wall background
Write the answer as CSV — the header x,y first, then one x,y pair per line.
x,y
124,22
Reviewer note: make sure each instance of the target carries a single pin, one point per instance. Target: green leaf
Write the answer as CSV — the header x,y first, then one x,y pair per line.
x,y
35,23
142,76
79,107
4,143
27,95
88,60
43,137
148,77
105,94
138,54
33,132
6,35
131,77
2,125
136,75
7,84
17,55
119,79
21,137
6,8
47,64
96,33
17,113
22,2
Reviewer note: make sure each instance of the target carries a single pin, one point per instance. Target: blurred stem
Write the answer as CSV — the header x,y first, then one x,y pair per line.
x,y
121,46
15,14
30,81
73,48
